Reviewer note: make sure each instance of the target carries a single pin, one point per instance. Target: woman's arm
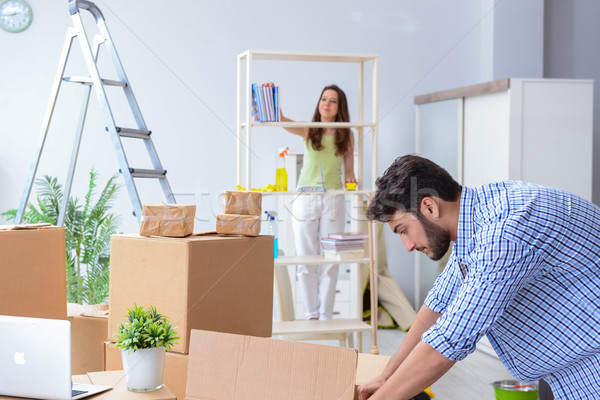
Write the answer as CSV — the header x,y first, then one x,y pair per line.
x,y
349,161
303,132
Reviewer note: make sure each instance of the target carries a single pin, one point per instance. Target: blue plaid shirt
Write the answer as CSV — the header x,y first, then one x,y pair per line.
x,y
525,270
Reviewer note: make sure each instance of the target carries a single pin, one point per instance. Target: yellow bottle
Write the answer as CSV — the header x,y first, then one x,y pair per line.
x,y
281,178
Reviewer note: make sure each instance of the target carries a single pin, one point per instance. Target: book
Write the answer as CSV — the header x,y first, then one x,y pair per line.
x,y
257,98
327,244
344,255
269,102
254,112
339,242
265,103
348,235
276,102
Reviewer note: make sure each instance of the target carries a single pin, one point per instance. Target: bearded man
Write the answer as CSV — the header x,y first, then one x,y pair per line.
x,y
524,270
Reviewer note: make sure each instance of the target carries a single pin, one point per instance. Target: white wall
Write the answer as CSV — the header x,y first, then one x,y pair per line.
x,y
182,66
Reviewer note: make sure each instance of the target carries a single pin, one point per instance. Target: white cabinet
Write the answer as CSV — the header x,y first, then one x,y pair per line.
x,y
245,127
536,130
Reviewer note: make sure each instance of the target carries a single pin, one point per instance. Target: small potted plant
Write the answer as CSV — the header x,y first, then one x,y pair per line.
x,y
143,340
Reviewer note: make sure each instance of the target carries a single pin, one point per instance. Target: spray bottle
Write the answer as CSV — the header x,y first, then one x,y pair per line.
x,y
281,179
272,230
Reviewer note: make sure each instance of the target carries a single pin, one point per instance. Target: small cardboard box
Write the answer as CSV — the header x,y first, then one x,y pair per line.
x,y
89,329
33,270
242,202
238,224
175,374
230,367
218,283
172,220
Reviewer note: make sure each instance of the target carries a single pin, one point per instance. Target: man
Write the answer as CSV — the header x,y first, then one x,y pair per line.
x,y
524,270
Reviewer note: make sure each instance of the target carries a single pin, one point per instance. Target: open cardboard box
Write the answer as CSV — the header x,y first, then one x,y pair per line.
x,y
225,366
176,365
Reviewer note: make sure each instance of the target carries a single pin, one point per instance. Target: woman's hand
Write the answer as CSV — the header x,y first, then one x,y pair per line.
x,y
350,179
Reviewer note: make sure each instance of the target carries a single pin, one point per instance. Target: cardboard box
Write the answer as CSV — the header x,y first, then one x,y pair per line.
x,y
228,367
89,330
176,365
238,224
172,220
211,282
242,202
368,366
116,379
33,279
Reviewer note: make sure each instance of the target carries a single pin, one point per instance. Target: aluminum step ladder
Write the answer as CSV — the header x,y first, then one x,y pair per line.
x,y
141,132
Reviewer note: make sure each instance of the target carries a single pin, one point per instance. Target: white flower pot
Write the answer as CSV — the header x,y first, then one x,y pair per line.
x,y
144,369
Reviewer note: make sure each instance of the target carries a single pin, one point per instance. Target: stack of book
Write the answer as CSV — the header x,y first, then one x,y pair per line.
x,y
344,245
265,103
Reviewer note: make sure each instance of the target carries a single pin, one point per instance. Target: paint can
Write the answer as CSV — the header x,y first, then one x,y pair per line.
x,y
516,390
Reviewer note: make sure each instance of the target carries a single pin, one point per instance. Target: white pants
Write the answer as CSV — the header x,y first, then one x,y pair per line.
x,y
314,217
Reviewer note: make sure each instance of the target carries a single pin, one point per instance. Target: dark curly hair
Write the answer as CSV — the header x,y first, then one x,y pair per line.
x,y
405,183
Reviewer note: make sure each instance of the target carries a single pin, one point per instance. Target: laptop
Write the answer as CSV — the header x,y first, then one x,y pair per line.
x,y
35,360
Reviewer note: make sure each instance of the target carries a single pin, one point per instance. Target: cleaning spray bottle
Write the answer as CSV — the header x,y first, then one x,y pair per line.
x,y
272,230
281,179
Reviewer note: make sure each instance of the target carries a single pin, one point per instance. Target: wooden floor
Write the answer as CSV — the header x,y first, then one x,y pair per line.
x,y
470,379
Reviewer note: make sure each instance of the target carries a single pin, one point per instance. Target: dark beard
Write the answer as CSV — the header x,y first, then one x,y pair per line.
x,y
438,239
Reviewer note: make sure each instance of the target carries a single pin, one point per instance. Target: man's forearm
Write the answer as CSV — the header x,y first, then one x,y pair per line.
x,y
422,367
425,318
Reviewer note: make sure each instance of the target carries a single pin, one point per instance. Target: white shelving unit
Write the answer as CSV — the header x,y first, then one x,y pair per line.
x,y
245,126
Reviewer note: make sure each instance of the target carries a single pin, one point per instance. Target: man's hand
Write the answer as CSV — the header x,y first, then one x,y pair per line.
x,y
366,390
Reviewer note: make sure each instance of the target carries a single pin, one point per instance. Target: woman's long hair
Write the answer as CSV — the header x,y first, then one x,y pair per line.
x,y
342,135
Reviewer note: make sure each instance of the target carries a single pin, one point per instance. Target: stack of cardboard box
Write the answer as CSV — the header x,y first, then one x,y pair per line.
x,y
222,286
241,215
209,282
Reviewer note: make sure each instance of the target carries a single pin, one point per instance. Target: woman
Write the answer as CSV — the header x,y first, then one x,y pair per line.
x,y
315,216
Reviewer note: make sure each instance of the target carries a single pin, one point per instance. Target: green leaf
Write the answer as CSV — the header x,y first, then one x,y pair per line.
x,y
145,328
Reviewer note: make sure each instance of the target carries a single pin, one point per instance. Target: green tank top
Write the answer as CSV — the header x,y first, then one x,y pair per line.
x,y
313,160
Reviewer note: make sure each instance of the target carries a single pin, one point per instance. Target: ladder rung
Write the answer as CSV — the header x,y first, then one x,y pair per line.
x,y
86,80
133,133
147,173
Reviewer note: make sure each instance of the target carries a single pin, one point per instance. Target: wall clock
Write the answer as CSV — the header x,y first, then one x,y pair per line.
x,y
15,15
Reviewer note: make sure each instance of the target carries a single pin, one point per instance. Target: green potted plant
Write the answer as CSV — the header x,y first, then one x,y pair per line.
x,y
143,339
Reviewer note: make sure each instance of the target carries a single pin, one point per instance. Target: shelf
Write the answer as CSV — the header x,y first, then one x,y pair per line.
x,y
296,56
335,325
311,124
330,192
316,260
244,157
